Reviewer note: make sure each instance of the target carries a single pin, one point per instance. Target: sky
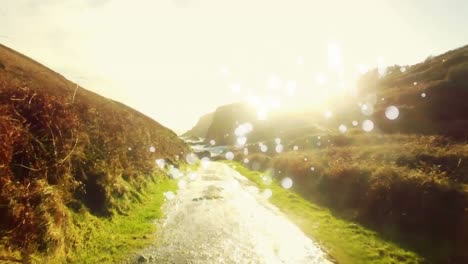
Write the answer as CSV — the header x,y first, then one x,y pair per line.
x,y
175,60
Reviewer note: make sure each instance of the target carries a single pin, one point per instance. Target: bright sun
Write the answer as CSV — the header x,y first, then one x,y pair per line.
x,y
306,89
313,90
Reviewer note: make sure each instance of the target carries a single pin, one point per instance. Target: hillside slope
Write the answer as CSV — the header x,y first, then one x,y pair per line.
x,y
201,127
65,149
430,97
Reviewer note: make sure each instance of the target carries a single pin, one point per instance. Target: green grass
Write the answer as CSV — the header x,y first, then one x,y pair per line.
x,y
109,240
346,242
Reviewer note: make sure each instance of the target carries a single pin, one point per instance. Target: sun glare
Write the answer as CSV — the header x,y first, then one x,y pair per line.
x,y
313,88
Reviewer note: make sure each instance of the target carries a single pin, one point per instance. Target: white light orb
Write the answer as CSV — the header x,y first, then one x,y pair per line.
x,y
241,140
161,163
169,195
367,125
205,162
287,183
229,155
392,112
267,179
267,193
342,128
367,109
279,148
191,158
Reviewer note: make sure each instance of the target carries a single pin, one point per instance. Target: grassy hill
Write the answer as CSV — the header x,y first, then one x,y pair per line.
x,y
67,151
430,95
406,179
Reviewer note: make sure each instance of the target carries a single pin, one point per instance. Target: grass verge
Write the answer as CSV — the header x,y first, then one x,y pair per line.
x,y
110,240
346,242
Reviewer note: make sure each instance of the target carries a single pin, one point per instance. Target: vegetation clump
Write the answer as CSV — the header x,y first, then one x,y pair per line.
x,y
412,189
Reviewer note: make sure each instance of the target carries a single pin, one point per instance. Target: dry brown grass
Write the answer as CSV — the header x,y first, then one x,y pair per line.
x,y
64,148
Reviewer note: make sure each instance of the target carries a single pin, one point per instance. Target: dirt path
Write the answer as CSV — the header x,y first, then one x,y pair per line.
x,y
220,217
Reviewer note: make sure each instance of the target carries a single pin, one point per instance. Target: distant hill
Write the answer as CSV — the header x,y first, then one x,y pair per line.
x,y
227,118
430,97
201,127
66,148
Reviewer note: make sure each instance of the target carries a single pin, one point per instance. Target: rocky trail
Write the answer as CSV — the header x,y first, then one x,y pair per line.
x,y
218,216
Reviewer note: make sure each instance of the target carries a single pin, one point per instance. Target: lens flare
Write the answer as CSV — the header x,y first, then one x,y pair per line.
x,y
287,183
161,163
392,112
342,128
205,162
229,155
267,193
191,158
367,125
279,148
367,109
169,195
241,141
